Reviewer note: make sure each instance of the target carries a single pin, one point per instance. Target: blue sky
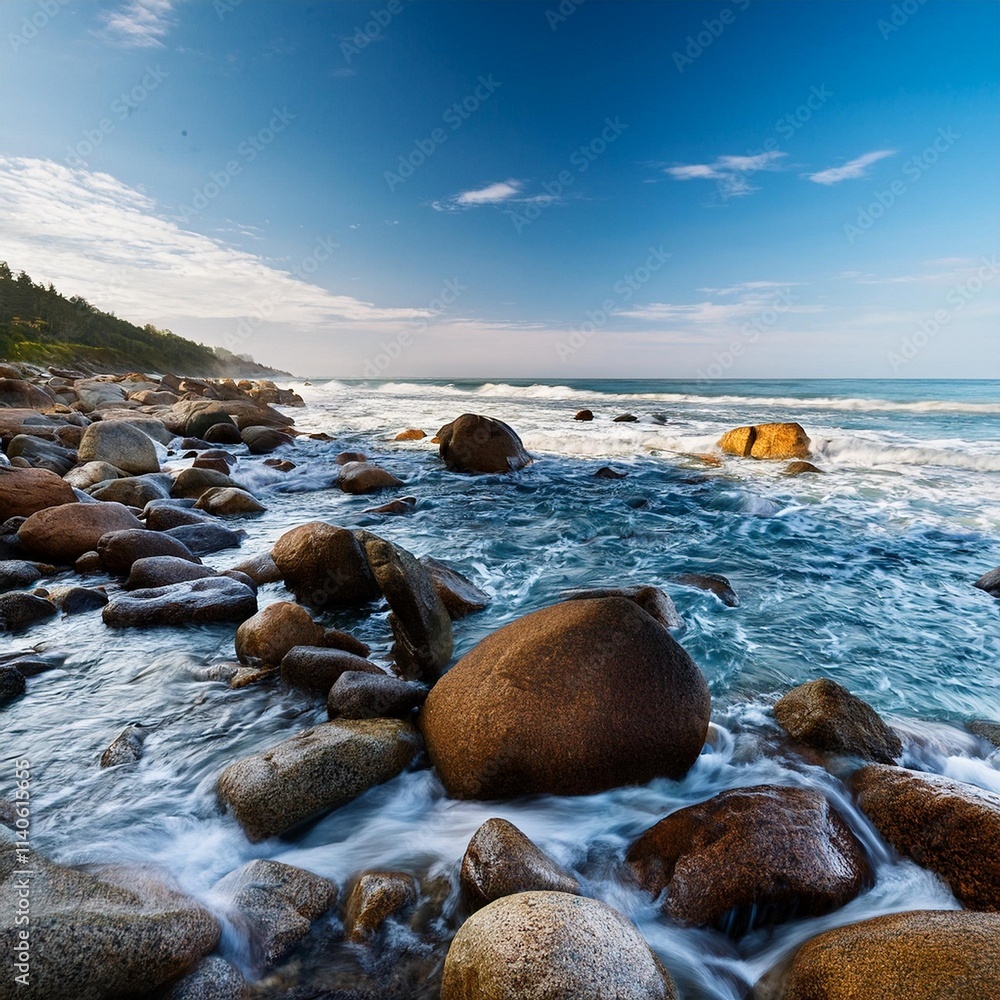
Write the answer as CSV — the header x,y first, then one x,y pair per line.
x,y
393,188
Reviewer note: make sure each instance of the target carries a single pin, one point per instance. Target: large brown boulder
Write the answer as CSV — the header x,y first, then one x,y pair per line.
x,y
920,955
500,860
751,857
825,716
19,394
316,668
120,444
947,826
191,483
275,630
552,946
313,772
322,564
573,699
25,491
364,477
62,534
474,443
120,549
777,441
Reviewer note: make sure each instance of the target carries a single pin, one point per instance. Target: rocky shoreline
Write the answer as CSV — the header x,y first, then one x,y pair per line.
x,y
136,481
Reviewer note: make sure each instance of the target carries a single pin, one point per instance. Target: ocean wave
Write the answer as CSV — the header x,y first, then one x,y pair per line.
x,y
854,451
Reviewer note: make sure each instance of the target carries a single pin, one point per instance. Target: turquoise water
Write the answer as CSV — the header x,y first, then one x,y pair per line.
x,y
863,574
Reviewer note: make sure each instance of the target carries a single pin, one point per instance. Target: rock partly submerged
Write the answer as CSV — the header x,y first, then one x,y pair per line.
x,y
212,599
771,441
478,444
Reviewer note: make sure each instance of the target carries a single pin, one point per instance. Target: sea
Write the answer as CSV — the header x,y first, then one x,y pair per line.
x,y
863,574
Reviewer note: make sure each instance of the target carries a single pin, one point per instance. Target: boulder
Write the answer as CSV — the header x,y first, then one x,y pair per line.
x,y
260,568
626,418
712,582
120,549
500,860
420,623
125,748
19,611
12,683
77,600
166,516
316,668
552,946
16,574
606,472
23,492
802,469
334,638
584,415
459,595
479,444
374,898
91,473
947,826
214,979
120,444
411,434
751,857
108,932
270,634
132,491
21,395
370,695
263,440
62,534
404,505
363,477
193,418
314,772
215,599
95,392
322,564
161,571
191,483
985,730
773,441
203,539
824,716
919,955
223,433
275,904
990,582
652,600
28,451
343,457
227,500
573,699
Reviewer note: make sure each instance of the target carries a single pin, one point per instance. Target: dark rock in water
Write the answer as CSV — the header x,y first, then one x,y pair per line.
x,y
264,440
77,600
222,433
606,472
751,857
334,638
344,457
404,505
62,534
215,978
191,483
827,717
322,564
549,945
216,599
314,772
200,416
203,539
113,931
478,444
989,731
12,683
228,501
363,477
370,695
132,491
89,562
374,898
120,549
802,468
584,415
626,418
990,582
919,955
420,623
37,453
19,611
271,633
652,600
574,699
460,595
32,666
712,582
659,418
17,573
316,668
165,517
500,860
947,826
161,571
23,492
276,904
282,465
125,748
260,568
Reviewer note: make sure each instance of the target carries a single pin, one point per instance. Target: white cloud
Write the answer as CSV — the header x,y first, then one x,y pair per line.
x,y
731,172
138,24
743,301
492,194
858,167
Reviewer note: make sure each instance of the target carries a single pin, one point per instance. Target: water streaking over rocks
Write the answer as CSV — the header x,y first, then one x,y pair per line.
x,y
860,574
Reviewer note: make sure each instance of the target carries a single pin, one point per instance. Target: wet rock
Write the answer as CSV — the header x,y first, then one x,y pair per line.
x,y
315,668
652,600
334,638
29,451
420,623
223,433
89,562
214,979
322,564
459,595
263,440
226,501
572,699
77,600
203,539
500,860
344,457
19,573
584,415
270,634
260,568
25,491
120,549
276,903
22,395
712,582
109,932
19,611
478,444
374,898
990,582
282,465
314,772
404,505
947,826
626,418
606,472
216,599
62,534
802,469
989,731
164,516
751,857
12,683
920,955
120,444
412,434
773,441
551,946
133,491
125,748
191,483
90,474
245,676
363,477
197,416
827,717
370,695
161,571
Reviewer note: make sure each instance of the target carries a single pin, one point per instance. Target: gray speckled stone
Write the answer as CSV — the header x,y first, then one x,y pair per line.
x,y
215,599
214,979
